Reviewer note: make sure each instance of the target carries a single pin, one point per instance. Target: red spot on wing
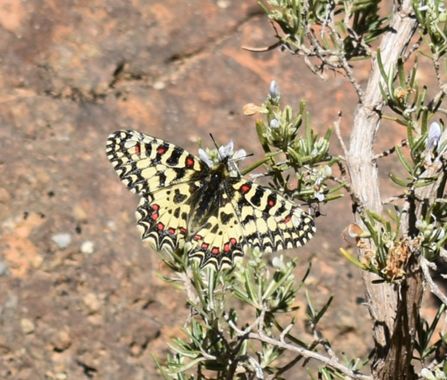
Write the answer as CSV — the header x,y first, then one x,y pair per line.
x,y
245,188
215,251
154,216
205,245
183,230
155,207
287,219
233,241
227,247
161,149
171,230
161,226
271,202
137,148
197,237
189,161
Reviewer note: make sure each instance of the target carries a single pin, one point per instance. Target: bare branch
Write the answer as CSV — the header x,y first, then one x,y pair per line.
x,y
318,336
433,287
345,64
311,355
382,298
391,150
338,134
263,48
412,49
437,67
300,350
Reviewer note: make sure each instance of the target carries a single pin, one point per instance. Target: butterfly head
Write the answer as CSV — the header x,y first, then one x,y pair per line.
x,y
223,156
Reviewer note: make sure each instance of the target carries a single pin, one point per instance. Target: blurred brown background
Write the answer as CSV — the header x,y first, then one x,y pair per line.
x,y
79,294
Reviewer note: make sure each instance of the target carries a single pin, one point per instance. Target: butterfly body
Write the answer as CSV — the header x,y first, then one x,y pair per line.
x,y
203,206
206,200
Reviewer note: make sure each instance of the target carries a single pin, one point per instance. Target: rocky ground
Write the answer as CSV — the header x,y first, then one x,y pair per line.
x,y
79,294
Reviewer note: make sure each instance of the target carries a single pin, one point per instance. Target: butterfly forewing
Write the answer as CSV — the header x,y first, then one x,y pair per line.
x,y
163,175
146,164
183,206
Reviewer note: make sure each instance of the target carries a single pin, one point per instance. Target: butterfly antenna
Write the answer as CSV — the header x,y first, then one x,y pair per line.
x,y
215,144
247,155
214,141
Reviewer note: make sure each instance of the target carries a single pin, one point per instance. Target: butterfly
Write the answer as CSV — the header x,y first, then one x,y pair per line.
x,y
203,205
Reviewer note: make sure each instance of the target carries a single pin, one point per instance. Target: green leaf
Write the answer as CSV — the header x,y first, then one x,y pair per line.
x,y
323,310
310,309
327,136
375,216
260,130
422,182
353,259
274,285
407,165
401,73
419,145
435,321
399,181
249,286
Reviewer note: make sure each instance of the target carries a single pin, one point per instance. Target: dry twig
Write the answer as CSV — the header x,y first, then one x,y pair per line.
x,y
425,264
302,351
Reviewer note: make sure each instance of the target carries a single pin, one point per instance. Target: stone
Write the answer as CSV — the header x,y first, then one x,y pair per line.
x,y
62,240
27,326
87,247
61,340
3,268
159,85
92,302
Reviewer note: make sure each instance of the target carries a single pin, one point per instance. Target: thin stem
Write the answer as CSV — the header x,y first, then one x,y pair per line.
x,y
346,67
268,157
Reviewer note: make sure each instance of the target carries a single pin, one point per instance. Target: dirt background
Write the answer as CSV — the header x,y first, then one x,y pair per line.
x,y
79,295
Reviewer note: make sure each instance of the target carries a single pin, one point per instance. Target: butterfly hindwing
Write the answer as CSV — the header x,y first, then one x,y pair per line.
x,y
163,217
269,221
220,240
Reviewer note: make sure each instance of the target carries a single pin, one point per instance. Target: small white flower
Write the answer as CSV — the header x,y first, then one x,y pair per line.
x,y
239,155
320,197
327,171
205,157
274,124
226,150
278,262
274,90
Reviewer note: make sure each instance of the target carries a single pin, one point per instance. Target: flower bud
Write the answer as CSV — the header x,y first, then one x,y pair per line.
x,y
274,90
434,134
